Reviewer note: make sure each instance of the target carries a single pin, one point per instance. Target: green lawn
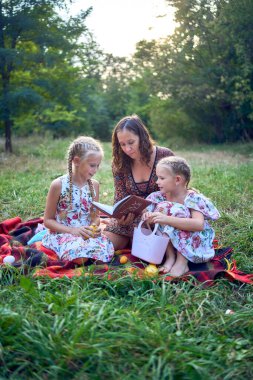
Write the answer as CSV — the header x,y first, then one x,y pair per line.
x,y
89,328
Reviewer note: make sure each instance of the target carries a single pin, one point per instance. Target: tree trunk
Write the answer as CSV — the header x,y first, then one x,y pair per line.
x,y
8,144
6,112
5,75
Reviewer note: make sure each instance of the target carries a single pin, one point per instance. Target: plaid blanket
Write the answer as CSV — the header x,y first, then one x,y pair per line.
x,y
14,235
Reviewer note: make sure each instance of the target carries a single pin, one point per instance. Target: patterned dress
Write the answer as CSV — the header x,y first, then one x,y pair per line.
x,y
70,247
124,184
197,246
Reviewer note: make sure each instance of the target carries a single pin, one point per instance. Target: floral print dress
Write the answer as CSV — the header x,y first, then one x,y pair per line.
x,y
70,247
197,247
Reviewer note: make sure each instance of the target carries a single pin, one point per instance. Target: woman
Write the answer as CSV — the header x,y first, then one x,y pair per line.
x,y
134,171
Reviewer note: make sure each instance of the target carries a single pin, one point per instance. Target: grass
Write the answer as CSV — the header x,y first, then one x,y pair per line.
x,y
90,328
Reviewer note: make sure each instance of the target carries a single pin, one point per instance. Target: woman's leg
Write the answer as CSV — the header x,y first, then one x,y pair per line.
x,y
169,260
118,241
180,267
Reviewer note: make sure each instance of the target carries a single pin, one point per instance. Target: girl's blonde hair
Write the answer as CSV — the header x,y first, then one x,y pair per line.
x,y
178,165
82,147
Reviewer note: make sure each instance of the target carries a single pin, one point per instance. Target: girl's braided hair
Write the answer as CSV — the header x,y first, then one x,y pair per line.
x,y
82,147
178,165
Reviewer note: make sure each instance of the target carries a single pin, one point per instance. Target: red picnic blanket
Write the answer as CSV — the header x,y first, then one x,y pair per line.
x,y
14,235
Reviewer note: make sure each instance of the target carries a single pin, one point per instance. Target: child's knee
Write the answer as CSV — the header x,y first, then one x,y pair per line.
x,y
80,260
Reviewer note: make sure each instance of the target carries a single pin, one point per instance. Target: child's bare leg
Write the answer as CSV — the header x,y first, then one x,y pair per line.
x,y
180,266
170,259
80,260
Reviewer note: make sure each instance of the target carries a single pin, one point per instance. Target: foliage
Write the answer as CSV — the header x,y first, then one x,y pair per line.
x,y
168,119
38,51
206,68
216,55
195,84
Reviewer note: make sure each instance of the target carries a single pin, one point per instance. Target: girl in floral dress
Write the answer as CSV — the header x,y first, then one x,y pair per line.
x,y
72,222
182,214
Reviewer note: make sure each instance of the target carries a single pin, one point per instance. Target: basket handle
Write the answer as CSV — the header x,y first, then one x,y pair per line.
x,y
154,230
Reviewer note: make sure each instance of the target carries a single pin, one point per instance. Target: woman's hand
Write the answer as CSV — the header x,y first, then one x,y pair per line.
x,y
126,220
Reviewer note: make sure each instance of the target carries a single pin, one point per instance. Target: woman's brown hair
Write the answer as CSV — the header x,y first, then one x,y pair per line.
x,y
134,124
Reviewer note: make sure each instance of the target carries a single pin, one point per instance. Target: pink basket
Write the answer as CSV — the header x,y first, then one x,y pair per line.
x,y
147,245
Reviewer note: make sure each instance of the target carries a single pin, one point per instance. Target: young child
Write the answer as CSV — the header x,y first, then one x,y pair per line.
x,y
183,215
69,215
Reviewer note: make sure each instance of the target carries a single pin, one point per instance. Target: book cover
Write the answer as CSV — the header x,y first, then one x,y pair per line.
x,y
130,204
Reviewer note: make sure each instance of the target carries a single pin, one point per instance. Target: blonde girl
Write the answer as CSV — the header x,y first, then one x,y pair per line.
x,y
73,223
183,215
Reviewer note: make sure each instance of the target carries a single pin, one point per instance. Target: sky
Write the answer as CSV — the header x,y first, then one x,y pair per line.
x,y
118,25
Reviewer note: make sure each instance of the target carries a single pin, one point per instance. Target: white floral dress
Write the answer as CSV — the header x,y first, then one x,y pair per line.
x,y
70,247
197,247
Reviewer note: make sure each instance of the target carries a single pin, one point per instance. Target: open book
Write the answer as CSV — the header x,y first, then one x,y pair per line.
x,y
130,204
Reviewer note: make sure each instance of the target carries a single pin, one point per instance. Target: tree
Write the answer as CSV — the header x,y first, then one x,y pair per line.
x,y
203,72
32,34
212,65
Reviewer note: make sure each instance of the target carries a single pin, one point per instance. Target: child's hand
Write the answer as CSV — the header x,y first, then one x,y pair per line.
x,y
85,232
96,230
146,216
160,218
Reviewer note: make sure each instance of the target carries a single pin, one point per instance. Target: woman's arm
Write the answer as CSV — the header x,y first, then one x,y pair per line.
x,y
195,223
120,190
166,152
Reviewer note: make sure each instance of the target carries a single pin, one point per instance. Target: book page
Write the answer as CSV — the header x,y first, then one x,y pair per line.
x,y
106,208
134,204
121,201
130,204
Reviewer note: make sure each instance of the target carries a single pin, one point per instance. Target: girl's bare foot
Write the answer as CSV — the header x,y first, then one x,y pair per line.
x,y
169,260
179,270
180,266
166,267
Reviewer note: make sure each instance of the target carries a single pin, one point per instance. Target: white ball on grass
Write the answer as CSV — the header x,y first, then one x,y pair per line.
x,y
9,259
